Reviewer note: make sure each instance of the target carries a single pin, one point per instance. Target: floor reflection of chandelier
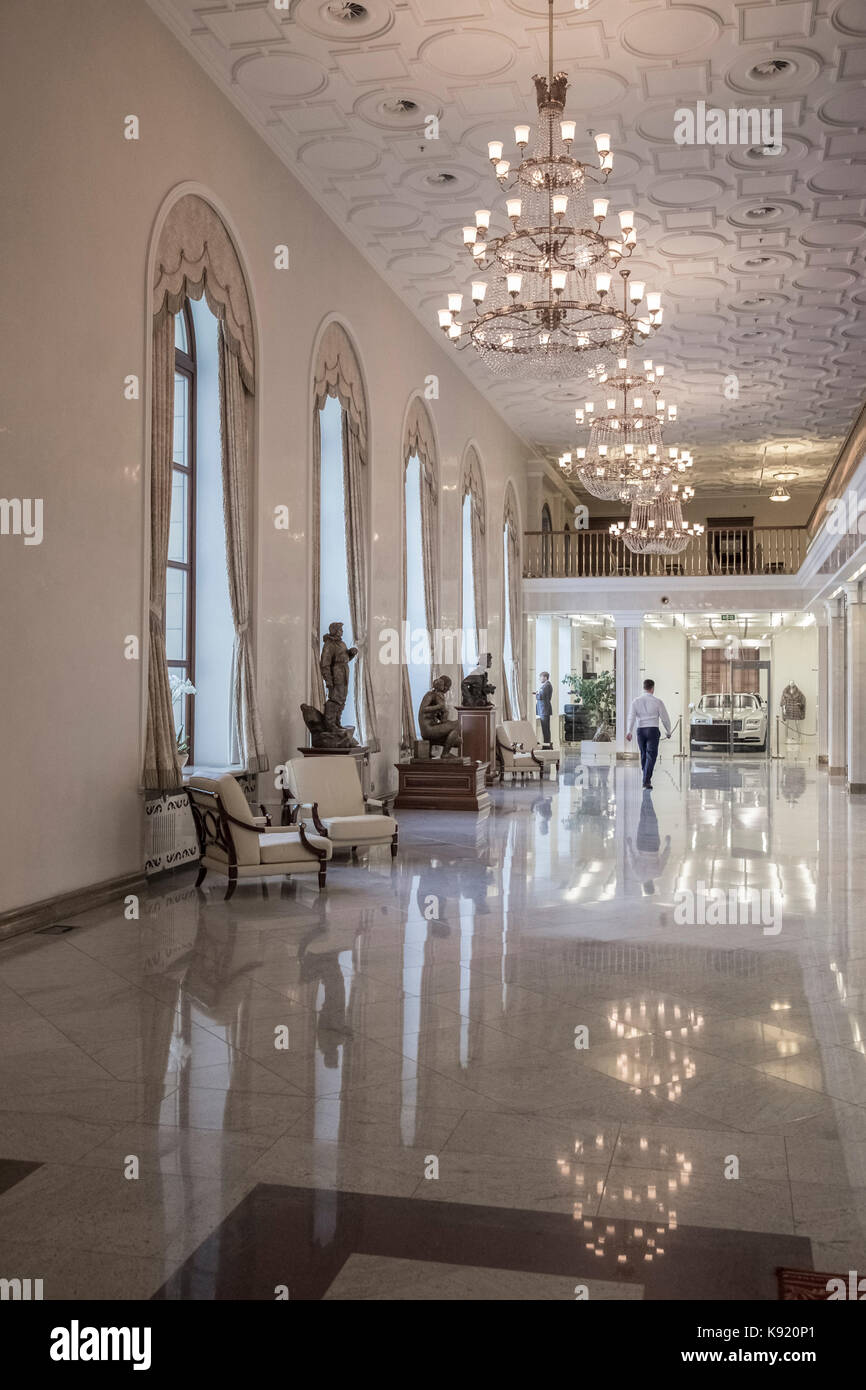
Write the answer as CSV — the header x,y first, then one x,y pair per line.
x,y
625,459
552,294
658,528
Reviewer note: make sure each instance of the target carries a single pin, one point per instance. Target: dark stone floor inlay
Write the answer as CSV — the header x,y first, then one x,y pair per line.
x,y
300,1238
14,1170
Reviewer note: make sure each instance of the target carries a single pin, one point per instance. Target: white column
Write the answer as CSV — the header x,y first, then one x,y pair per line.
x,y
628,676
823,685
856,683
836,709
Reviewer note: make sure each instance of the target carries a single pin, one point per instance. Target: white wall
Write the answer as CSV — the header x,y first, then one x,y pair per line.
x,y
76,236
664,661
794,656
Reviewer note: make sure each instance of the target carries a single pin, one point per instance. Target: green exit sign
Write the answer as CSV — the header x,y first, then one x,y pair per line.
x,y
729,617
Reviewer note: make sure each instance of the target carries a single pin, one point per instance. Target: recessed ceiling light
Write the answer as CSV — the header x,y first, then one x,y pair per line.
x,y
400,106
347,10
766,151
773,67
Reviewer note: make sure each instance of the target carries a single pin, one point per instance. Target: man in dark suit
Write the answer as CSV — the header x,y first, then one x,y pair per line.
x,y
543,705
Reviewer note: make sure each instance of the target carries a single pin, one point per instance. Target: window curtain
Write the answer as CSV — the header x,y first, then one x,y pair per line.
x,y
196,257
354,488
474,486
513,598
419,440
338,373
235,411
162,771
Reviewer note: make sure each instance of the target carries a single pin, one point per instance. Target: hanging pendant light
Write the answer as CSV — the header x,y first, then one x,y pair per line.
x,y
557,288
658,528
625,459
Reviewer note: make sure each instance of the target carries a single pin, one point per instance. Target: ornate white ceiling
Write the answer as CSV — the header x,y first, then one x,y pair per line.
x,y
760,258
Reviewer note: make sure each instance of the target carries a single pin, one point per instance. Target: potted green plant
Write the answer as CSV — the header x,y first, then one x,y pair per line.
x,y
598,697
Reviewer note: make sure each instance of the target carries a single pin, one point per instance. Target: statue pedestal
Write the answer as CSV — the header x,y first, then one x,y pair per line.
x,y
478,735
441,784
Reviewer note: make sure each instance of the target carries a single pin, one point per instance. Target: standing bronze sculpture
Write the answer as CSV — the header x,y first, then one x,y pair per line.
x,y
326,731
433,722
334,665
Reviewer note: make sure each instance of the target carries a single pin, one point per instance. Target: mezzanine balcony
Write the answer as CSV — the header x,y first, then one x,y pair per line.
x,y
722,551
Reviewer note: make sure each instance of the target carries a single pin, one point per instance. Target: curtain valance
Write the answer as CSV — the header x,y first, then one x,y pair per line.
x,y
419,440
195,257
338,374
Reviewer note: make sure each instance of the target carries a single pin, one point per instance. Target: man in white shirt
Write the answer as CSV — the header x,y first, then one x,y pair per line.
x,y
646,711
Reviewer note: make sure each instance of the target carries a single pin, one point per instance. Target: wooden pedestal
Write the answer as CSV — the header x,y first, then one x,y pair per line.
x,y
478,734
441,784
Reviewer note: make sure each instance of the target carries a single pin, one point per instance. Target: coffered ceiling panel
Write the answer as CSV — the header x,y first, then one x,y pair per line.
x,y
760,257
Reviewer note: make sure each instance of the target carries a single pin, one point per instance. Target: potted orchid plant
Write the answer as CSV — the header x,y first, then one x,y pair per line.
x,y
180,687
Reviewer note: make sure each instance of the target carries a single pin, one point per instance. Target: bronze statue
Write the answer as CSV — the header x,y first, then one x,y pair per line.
x,y
433,722
475,687
334,664
324,734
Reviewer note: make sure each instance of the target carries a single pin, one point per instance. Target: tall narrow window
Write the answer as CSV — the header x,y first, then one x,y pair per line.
x,y
334,604
180,568
199,632
416,598
470,620
507,635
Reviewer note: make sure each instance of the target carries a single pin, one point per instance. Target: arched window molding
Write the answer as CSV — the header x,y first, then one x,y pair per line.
x,y
419,441
337,373
195,256
513,606
473,488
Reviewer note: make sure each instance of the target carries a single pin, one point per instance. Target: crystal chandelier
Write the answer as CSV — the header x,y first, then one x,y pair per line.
x,y
552,293
658,528
625,459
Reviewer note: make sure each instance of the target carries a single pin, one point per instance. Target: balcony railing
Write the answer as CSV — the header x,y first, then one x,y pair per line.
x,y
719,551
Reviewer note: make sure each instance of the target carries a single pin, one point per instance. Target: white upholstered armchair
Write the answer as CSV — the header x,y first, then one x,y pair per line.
x,y
232,841
328,791
519,752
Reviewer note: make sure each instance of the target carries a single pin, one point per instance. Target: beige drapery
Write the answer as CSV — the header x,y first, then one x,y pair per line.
x,y
474,486
196,257
235,428
419,440
162,771
338,373
354,490
513,596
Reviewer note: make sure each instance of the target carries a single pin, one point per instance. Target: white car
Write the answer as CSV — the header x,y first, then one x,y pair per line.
x,y
735,721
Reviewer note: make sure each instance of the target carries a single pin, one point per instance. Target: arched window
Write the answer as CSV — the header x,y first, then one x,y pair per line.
x,y
420,563
180,567
341,538
201,680
474,563
512,608
546,540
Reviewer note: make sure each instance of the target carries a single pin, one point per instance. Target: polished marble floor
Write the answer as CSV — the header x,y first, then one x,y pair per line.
x,y
518,1061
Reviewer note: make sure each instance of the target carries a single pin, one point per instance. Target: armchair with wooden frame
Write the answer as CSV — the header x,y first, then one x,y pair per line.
x,y
233,842
328,791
